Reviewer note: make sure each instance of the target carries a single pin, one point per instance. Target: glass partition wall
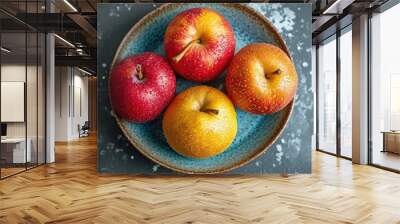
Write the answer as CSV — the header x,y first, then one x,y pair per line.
x,y
22,76
13,88
327,96
334,93
385,90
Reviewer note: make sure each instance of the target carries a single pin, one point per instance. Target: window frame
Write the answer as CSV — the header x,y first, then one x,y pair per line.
x,y
336,36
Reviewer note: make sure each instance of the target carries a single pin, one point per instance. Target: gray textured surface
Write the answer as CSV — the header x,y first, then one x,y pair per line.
x,y
290,154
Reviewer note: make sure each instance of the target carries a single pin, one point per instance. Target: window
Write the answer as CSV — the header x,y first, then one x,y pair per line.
x,y
327,96
346,75
385,89
394,102
333,137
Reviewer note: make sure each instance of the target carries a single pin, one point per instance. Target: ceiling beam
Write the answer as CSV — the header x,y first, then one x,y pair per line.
x,y
49,22
84,24
320,22
75,15
337,7
331,12
81,61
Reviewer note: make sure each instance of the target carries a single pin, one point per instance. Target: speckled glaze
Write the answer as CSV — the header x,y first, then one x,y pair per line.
x,y
255,134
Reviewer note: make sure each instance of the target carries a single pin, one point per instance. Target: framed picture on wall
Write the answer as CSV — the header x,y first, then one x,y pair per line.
x,y
203,53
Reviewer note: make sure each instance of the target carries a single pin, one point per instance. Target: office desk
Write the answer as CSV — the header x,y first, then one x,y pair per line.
x,y
391,141
13,150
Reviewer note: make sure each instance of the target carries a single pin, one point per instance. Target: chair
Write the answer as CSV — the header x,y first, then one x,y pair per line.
x,y
84,130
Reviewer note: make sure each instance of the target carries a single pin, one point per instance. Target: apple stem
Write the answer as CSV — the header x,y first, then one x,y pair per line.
x,y
139,72
210,111
183,52
276,72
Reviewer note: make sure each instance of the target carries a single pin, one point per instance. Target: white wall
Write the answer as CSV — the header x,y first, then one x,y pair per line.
x,y
16,73
9,73
34,125
70,83
61,103
80,89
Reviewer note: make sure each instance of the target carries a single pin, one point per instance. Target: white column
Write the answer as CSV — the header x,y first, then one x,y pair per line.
x,y
50,92
360,90
50,100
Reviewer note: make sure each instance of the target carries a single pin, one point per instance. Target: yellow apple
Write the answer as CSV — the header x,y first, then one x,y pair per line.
x,y
200,122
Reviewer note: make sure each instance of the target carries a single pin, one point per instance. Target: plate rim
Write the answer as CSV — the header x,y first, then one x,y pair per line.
x,y
265,146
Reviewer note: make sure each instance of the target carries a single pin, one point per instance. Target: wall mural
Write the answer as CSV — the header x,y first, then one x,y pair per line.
x,y
204,88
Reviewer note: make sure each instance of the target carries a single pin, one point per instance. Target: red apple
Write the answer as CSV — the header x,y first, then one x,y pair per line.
x,y
261,79
199,44
141,86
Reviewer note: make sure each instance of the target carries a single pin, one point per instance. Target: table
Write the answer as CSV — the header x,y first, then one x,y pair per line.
x,y
14,150
391,141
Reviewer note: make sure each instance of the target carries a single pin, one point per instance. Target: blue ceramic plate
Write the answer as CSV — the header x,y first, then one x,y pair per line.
x,y
255,133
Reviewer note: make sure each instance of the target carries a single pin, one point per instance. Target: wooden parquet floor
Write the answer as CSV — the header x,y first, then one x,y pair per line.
x,y
70,191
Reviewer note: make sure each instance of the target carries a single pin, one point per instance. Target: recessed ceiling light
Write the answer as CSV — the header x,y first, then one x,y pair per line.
x,y
333,5
70,5
64,40
84,71
5,49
